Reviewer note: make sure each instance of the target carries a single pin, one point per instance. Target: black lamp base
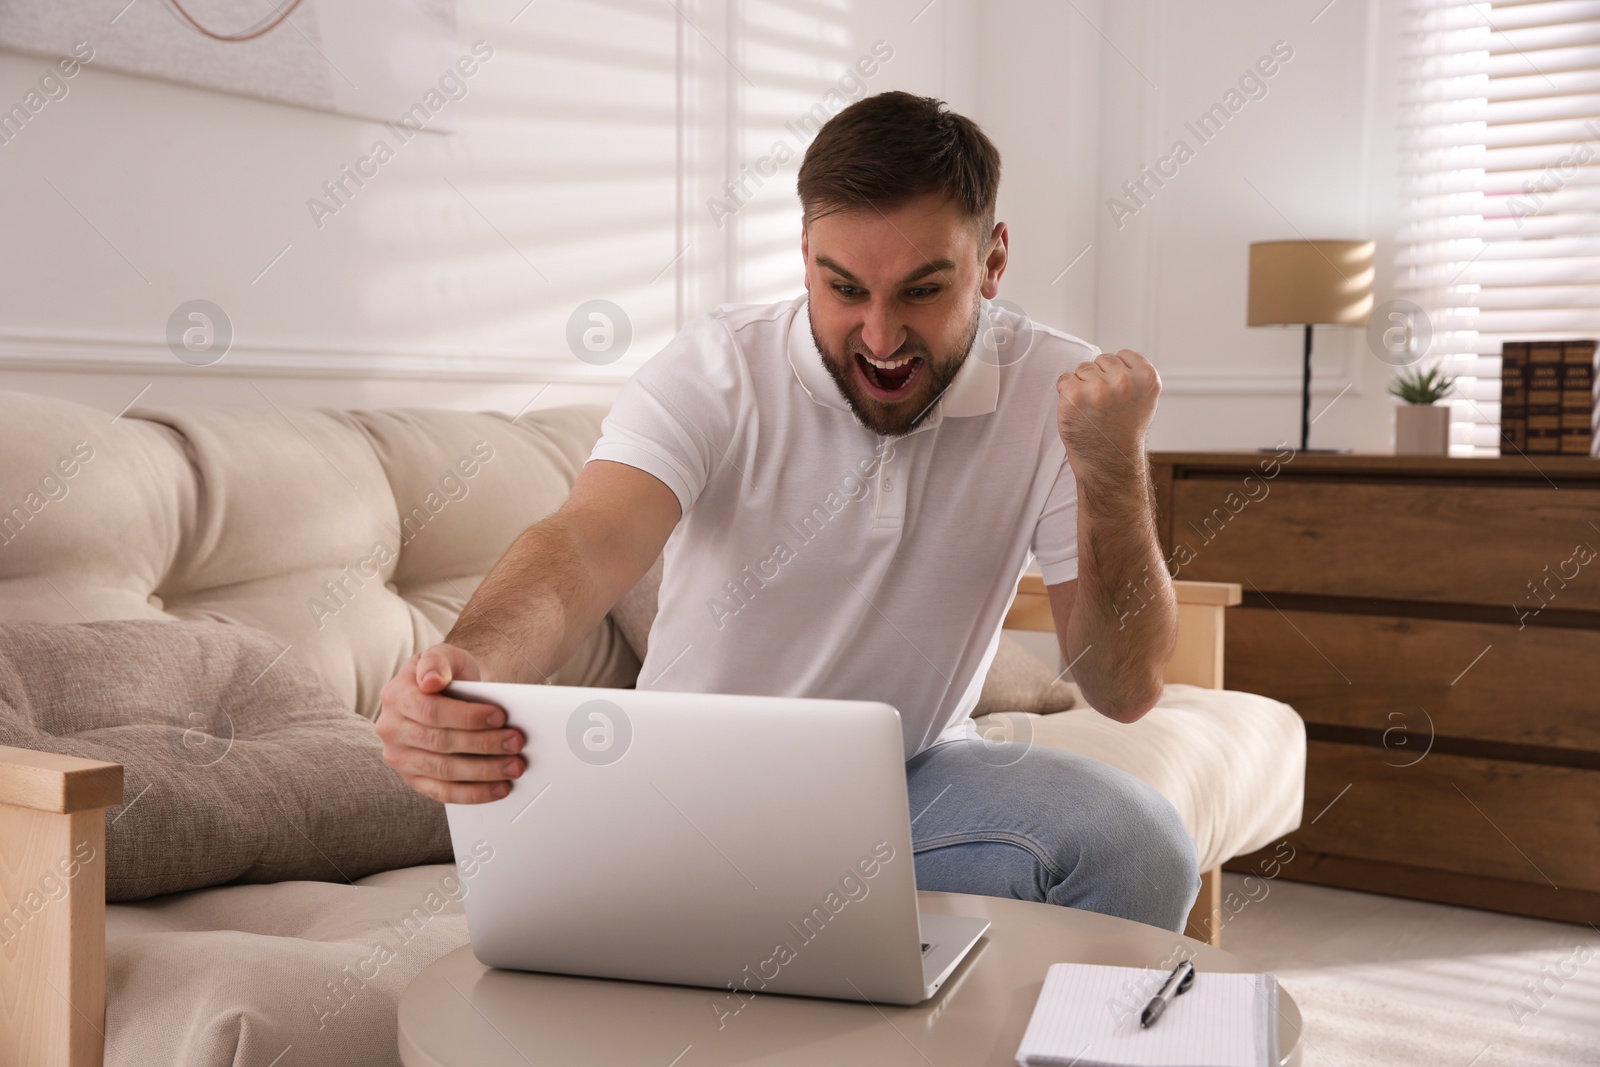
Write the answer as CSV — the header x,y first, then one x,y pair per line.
x,y
1305,404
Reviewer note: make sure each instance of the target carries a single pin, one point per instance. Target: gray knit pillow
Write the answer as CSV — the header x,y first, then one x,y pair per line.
x,y
1020,681
238,765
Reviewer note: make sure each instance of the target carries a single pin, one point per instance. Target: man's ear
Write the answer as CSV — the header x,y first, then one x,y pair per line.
x,y
994,264
805,257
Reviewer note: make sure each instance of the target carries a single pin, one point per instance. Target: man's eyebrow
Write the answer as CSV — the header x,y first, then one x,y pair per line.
x,y
937,266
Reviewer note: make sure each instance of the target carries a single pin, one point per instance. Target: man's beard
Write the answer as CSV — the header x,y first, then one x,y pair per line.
x,y
899,417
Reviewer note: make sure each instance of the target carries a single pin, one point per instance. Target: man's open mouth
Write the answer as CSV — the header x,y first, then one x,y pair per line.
x,y
889,380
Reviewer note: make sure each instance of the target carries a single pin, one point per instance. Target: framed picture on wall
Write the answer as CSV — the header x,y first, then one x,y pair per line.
x,y
374,59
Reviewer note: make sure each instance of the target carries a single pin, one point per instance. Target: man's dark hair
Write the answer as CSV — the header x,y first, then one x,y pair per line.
x,y
892,147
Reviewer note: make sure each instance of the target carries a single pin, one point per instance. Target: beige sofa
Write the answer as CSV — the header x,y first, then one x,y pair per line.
x,y
273,519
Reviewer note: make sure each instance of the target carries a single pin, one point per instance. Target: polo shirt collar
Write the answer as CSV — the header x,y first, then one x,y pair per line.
x,y
975,391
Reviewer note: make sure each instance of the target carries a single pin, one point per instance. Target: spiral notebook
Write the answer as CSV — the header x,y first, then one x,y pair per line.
x,y
1087,1015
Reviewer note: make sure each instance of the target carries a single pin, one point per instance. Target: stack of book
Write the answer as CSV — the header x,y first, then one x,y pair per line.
x,y
1548,399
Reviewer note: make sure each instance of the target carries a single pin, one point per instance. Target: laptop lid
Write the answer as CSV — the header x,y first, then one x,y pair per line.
x,y
747,844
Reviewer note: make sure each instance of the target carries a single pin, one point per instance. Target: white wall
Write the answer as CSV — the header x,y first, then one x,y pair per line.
x,y
1039,101
588,148
1312,158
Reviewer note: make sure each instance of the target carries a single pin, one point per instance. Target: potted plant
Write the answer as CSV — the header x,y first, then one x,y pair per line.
x,y
1421,424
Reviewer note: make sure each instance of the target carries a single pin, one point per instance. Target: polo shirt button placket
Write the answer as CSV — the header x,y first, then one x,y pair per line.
x,y
889,510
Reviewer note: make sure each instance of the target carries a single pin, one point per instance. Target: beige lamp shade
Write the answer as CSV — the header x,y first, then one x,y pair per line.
x,y
1301,283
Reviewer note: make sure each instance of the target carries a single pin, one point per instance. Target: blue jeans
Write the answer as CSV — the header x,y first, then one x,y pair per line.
x,y
1036,823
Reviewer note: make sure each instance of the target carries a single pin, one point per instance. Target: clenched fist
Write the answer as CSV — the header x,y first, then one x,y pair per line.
x,y
1104,408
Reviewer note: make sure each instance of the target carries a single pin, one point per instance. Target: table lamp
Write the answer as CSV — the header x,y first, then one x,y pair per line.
x,y
1310,283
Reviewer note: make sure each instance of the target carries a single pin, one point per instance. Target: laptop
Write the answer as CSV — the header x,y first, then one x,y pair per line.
x,y
750,845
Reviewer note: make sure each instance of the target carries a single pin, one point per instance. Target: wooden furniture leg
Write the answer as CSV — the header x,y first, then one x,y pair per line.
x,y
1197,660
1205,918
53,907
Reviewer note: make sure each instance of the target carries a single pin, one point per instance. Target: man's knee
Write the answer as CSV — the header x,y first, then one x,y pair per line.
x,y
1063,828
1131,857
1156,862
1174,866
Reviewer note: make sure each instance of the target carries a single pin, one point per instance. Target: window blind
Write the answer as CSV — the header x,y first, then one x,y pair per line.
x,y
1500,174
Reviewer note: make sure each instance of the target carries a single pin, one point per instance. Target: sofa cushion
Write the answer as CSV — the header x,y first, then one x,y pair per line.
x,y
237,974
238,764
635,613
355,537
1233,764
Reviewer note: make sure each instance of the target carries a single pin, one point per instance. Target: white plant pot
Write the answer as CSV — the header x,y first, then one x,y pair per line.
x,y
1422,430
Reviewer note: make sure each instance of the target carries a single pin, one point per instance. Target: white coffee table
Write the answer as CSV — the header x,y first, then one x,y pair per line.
x,y
458,1012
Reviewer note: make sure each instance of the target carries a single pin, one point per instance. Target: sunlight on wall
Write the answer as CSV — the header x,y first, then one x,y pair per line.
x,y
596,139
796,58
624,154
562,188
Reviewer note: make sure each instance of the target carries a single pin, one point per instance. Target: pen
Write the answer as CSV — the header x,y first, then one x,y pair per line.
x,y
1178,982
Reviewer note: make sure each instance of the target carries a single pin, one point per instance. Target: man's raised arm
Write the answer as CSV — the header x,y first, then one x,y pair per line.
x,y
1118,621
550,589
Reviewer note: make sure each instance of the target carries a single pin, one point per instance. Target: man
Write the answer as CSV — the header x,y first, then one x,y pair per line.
x,y
848,486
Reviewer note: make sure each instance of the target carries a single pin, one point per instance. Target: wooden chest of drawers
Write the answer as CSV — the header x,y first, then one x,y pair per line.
x,y
1437,624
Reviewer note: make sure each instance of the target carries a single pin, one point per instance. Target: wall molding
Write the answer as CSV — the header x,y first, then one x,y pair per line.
x,y
90,355
1252,385
66,353
141,356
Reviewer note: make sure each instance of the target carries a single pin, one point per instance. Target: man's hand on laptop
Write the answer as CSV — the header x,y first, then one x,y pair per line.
x,y
454,751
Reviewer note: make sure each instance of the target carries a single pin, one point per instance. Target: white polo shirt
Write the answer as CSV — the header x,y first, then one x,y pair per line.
x,y
816,558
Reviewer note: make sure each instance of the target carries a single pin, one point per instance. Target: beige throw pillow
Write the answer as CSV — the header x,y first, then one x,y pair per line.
x,y
1017,679
238,765
1020,681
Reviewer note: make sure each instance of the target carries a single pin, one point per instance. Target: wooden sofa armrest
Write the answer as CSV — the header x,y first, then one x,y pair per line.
x,y
1198,657
53,906
1196,661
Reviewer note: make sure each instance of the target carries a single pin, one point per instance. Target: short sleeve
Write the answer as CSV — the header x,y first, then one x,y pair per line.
x,y
675,418
1055,538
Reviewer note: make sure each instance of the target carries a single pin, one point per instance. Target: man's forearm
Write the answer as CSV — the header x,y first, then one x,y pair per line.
x,y
1124,621
533,608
